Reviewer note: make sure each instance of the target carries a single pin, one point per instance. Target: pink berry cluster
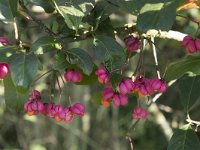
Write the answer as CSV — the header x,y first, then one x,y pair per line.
x,y
132,43
145,86
192,45
102,74
35,106
4,40
109,95
72,75
119,97
142,85
4,70
139,113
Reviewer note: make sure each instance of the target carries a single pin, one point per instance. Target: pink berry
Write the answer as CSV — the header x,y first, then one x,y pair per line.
x,y
77,77
156,84
139,113
100,71
68,75
102,74
73,76
143,90
35,95
26,105
116,100
132,43
163,87
4,70
185,41
123,99
119,99
143,114
3,40
126,86
197,44
107,93
69,117
191,46
62,114
78,109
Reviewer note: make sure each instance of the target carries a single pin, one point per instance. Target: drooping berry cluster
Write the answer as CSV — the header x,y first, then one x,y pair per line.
x,y
145,86
72,75
139,113
35,106
132,43
119,97
192,45
142,85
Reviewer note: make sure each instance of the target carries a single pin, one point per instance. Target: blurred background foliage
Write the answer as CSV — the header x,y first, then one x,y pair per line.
x,y
101,128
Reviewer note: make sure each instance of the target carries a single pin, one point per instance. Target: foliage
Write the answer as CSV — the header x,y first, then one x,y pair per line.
x,y
86,35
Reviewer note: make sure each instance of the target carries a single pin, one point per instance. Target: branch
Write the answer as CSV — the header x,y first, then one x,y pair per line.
x,y
42,26
193,122
175,35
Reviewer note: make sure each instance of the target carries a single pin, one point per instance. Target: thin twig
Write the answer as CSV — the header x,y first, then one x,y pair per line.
x,y
197,22
60,95
155,58
140,61
130,141
65,87
41,76
15,29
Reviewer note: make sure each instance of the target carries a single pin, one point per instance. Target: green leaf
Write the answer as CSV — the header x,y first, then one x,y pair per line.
x,y
189,91
46,4
13,99
74,11
130,6
8,9
102,10
23,69
184,139
61,62
177,69
44,44
7,51
73,17
115,79
105,28
81,59
85,6
157,14
108,50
